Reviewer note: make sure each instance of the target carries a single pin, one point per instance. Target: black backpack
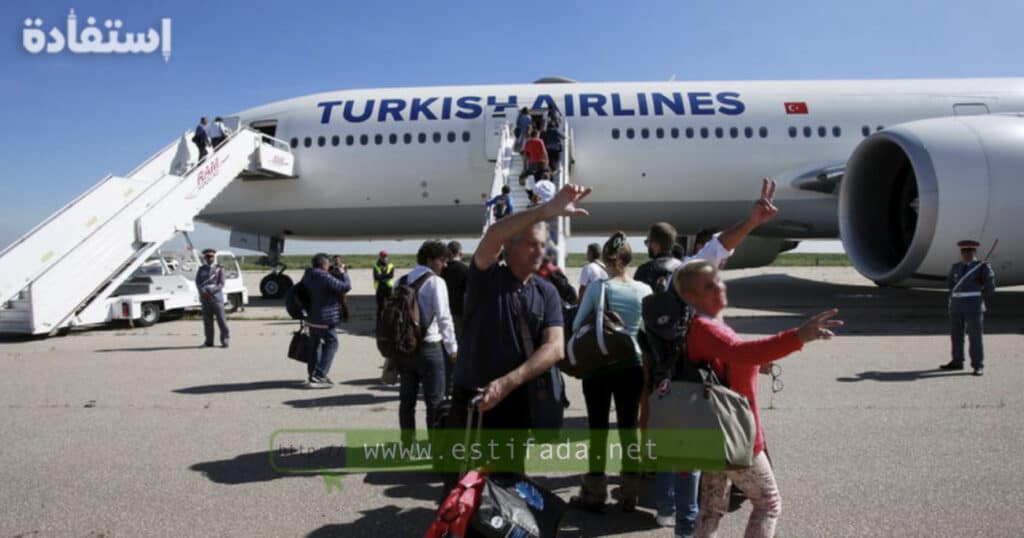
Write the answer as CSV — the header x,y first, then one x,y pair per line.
x,y
297,301
399,331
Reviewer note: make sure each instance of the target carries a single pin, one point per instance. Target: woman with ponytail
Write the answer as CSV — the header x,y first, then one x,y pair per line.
x,y
622,379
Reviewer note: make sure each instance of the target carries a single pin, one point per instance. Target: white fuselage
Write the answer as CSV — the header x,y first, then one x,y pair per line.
x,y
691,153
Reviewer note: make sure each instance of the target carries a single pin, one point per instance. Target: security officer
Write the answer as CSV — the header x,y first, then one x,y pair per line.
x,y
969,282
210,283
383,279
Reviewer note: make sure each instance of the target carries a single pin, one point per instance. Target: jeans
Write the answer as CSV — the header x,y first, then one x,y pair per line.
x,y
598,390
428,370
974,323
324,344
211,311
677,492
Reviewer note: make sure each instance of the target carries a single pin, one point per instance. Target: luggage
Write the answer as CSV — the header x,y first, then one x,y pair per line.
x,y
501,505
601,340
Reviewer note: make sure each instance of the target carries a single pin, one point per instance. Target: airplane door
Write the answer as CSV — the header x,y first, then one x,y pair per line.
x,y
495,116
970,109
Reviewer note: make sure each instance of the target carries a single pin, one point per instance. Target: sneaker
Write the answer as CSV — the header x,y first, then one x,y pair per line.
x,y
315,382
952,366
324,380
979,372
207,344
224,344
666,521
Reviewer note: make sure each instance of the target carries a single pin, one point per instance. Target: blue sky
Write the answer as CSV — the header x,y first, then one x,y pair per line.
x,y
73,118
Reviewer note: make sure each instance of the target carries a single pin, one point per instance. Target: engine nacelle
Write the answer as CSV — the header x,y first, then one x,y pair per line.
x,y
913,190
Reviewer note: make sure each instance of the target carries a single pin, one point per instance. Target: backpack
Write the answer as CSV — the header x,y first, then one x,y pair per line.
x,y
552,274
399,331
297,301
663,268
500,208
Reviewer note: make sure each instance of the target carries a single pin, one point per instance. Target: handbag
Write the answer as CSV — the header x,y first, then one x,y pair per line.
x,y
299,346
701,425
600,341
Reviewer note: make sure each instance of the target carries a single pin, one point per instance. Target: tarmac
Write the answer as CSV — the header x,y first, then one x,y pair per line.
x,y
121,431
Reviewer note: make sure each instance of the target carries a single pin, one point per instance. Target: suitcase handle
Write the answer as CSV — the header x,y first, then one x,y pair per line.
x,y
474,425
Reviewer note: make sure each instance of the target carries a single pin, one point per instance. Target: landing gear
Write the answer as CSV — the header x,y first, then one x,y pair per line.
x,y
275,285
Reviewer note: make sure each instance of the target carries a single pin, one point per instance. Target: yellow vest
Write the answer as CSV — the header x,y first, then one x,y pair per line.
x,y
378,270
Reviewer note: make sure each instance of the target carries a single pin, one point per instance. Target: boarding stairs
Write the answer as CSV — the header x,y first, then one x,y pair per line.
x,y
62,273
507,169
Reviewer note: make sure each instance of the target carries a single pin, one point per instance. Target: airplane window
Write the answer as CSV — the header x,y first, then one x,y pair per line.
x,y
295,142
645,133
719,132
308,142
349,140
675,132
630,133
865,130
734,132
689,132
407,138
465,136
837,132
659,132
792,132
437,137
451,136
615,134
378,139
364,140
748,132
807,132
320,141
763,131
822,131
422,138
703,132
392,139
335,140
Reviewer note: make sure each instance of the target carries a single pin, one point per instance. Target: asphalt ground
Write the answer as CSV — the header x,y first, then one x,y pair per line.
x,y
136,432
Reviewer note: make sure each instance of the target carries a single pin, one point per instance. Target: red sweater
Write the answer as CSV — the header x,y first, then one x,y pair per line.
x,y
736,360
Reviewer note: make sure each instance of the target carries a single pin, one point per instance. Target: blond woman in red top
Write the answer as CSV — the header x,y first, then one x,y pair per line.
x,y
738,361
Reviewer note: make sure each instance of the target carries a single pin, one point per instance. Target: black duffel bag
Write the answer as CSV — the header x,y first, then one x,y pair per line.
x,y
600,341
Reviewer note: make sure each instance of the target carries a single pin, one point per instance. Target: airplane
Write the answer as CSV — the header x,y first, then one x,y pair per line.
x,y
900,170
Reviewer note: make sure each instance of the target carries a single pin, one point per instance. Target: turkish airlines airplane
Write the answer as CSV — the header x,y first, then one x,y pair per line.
x,y
899,169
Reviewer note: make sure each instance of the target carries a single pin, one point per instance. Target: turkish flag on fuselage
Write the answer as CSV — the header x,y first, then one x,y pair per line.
x,y
796,107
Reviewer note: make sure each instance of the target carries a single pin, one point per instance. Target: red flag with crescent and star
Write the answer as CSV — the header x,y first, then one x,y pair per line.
x,y
796,107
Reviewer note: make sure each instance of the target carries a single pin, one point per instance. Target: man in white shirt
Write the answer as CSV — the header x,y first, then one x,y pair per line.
x,y
218,132
429,367
593,271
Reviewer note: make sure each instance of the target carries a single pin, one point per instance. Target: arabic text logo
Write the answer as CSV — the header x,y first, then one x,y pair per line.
x,y
90,40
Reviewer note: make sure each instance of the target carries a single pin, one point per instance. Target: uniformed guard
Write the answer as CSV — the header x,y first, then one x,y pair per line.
x,y
383,279
210,282
969,282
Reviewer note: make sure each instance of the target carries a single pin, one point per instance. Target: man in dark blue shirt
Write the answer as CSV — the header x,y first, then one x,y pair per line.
x,y
493,359
324,317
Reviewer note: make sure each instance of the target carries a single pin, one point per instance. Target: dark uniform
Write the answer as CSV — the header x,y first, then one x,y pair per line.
x,y
210,282
969,283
